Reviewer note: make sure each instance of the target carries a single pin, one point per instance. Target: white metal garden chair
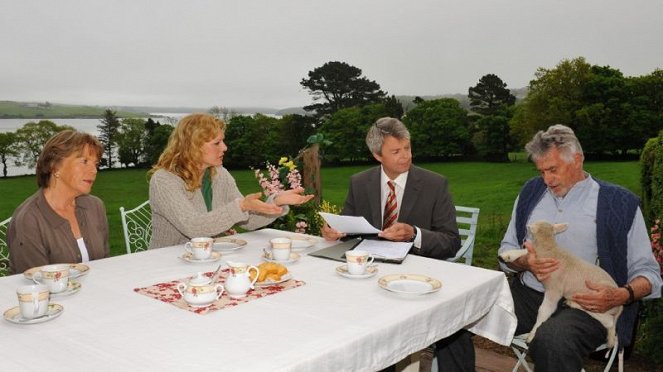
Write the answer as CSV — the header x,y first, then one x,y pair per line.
x,y
520,348
137,227
4,248
467,219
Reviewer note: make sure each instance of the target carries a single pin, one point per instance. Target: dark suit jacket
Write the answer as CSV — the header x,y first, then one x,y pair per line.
x,y
426,204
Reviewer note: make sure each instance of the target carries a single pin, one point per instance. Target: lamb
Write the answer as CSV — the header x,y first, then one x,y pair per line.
x,y
567,280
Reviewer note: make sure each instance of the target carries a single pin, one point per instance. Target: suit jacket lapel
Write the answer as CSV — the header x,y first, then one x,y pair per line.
x,y
410,194
374,198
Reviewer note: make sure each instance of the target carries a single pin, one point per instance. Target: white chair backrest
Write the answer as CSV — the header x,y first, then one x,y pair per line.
x,y
137,227
4,248
467,219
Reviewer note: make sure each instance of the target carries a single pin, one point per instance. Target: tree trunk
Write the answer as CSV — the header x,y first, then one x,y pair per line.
x,y
311,174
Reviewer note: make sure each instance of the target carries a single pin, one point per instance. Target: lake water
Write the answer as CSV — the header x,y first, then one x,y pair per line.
x,y
83,125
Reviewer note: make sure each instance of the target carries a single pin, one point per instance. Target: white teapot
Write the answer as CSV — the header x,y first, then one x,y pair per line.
x,y
199,291
239,281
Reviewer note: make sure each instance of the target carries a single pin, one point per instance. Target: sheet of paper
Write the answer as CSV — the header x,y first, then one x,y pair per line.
x,y
385,248
349,224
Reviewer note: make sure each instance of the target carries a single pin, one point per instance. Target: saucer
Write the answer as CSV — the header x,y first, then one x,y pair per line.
x,y
75,270
284,278
188,257
301,242
371,270
410,284
228,244
14,315
294,257
73,287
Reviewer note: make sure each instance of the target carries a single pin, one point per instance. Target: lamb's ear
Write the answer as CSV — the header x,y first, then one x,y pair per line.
x,y
531,228
559,227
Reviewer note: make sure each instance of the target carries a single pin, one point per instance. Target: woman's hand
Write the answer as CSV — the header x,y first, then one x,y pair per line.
x,y
252,203
292,197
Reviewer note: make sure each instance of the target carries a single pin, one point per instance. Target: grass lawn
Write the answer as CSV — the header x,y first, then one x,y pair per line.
x,y
489,186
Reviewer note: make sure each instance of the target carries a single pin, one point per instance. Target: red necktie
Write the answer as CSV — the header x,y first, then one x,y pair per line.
x,y
390,207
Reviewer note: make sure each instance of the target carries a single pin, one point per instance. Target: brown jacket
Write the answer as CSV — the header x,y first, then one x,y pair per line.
x,y
38,236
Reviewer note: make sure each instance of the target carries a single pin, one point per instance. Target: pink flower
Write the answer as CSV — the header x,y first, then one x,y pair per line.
x,y
301,227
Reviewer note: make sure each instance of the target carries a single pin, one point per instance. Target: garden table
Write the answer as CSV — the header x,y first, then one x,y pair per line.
x,y
330,323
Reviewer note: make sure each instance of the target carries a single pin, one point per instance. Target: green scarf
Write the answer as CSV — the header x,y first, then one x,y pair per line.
x,y
206,189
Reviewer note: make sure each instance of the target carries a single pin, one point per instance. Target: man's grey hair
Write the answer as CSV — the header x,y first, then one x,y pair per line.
x,y
382,128
559,136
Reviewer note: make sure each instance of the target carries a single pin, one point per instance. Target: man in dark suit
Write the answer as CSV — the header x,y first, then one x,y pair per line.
x,y
408,203
425,212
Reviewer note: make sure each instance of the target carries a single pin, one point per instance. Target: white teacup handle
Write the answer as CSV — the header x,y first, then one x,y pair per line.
x,y
187,247
36,277
256,277
180,288
370,260
217,287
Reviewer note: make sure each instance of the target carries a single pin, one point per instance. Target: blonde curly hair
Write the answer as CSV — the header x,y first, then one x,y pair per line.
x,y
184,152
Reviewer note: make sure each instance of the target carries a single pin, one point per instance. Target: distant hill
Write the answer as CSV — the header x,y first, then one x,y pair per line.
x,y
408,104
36,110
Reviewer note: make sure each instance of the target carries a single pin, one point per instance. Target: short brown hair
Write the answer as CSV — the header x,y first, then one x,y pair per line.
x,y
60,146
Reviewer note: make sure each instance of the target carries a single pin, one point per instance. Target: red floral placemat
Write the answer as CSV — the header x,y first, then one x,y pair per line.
x,y
167,292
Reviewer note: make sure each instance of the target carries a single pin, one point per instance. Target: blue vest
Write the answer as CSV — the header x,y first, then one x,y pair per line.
x,y
615,211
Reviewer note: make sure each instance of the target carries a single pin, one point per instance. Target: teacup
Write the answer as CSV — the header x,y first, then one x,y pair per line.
x,y
281,248
358,261
200,248
33,300
56,277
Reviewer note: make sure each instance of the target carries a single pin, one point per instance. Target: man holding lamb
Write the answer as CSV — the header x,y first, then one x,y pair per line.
x,y
605,227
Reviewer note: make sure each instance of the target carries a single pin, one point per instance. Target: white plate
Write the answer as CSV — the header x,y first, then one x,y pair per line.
x,y
188,257
300,243
284,278
75,270
411,284
72,288
294,257
228,244
14,315
370,271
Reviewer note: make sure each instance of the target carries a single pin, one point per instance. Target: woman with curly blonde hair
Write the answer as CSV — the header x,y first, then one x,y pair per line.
x,y
193,195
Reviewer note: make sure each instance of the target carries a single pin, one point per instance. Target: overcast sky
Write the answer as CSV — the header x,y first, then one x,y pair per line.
x,y
255,53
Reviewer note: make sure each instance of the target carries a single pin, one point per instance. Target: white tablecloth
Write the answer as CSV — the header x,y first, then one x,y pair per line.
x,y
330,324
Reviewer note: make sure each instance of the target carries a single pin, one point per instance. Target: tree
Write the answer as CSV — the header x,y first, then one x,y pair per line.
x,y
394,107
492,138
339,85
250,141
346,129
8,149
292,133
32,137
131,139
157,142
489,95
221,112
553,97
108,130
438,128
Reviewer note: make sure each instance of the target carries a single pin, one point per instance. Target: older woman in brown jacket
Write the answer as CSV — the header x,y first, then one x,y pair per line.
x,y
61,222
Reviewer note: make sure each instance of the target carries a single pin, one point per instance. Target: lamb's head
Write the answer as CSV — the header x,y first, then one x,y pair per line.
x,y
543,232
